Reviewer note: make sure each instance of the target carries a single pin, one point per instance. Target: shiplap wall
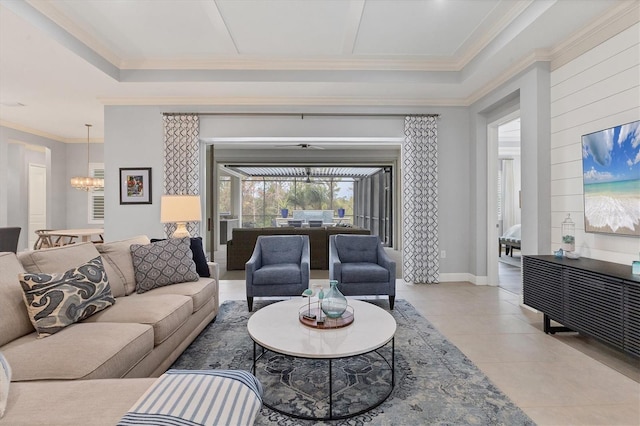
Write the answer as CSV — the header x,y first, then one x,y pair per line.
x,y
597,90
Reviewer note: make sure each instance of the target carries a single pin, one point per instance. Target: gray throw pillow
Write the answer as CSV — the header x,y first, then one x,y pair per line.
x,y
55,301
163,263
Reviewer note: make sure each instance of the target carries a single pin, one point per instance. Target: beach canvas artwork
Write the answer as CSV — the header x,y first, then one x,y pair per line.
x,y
611,176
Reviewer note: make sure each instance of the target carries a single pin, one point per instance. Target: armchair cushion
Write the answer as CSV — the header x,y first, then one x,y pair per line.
x,y
281,250
283,273
361,249
358,272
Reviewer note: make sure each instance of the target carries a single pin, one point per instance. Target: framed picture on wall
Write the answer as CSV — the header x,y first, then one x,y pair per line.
x,y
611,180
135,185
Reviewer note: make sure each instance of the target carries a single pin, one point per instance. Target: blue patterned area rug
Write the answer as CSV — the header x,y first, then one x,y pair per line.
x,y
434,382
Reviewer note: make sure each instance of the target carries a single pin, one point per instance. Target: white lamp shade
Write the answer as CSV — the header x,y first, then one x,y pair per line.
x,y
180,208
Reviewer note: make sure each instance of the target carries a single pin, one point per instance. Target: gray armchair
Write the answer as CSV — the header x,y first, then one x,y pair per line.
x,y
279,266
361,266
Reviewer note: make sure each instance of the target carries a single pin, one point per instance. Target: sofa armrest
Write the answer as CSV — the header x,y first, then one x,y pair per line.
x,y
335,265
389,264
253,264
305,259
214,270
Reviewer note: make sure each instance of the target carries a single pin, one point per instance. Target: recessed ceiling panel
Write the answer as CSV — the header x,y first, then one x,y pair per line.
x,y
143,29
430,28
285,28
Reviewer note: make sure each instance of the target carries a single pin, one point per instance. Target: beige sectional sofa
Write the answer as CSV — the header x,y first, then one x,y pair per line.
x,y
78,370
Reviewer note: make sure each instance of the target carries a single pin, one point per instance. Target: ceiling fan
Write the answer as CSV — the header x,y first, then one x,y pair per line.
x,y
301,146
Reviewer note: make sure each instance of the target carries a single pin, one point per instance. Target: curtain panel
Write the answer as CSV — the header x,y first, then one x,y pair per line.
x,y
420,200
182,160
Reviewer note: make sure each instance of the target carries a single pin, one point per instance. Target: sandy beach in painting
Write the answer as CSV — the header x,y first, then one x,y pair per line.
x,y
613,207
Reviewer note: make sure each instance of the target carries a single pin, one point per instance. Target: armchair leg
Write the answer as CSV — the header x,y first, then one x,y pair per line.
x,y
250,303
392,299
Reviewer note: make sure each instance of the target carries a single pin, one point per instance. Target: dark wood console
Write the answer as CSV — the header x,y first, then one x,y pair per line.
x,y
599,299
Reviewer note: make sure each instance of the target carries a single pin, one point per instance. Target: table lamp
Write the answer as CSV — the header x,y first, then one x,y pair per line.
x,y
180,209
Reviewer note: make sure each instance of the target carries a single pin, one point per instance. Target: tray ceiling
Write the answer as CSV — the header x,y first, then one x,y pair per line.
x,y
65,60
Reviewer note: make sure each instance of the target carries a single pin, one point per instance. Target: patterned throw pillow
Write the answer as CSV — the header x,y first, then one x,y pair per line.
x,y
163,263
55,301
197,250
5,379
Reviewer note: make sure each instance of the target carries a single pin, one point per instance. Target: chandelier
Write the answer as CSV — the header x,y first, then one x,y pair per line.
x,y
87,183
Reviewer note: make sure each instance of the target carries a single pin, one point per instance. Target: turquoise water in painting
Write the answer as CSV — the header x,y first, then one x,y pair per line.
x,y
614,189
613,207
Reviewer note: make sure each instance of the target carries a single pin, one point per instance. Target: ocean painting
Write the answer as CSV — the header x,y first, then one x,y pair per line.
x,y
611,176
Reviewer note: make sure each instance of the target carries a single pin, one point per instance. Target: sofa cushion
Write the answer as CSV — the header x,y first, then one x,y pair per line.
x,y
282,273
281,249
198,397
15,320
80,351
57,259
163,263
116,256
357,248
164,312
364,273
57,300
64,402
197,251
5,379
201,291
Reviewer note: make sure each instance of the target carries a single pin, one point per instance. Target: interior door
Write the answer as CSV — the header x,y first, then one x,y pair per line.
x,y
37,201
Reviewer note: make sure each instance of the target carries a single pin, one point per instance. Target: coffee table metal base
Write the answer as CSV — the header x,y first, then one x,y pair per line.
x,y
391,363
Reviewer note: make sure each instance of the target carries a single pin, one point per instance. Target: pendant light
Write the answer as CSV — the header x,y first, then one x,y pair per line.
x,y
87,183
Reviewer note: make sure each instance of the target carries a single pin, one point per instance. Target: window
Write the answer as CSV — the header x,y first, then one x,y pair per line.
x,y
224,195
96,196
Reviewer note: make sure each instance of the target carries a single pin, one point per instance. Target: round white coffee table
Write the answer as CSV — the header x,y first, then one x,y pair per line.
x,y
276,328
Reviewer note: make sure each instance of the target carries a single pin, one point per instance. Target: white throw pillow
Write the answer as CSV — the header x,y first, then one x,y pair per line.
x,y
5,379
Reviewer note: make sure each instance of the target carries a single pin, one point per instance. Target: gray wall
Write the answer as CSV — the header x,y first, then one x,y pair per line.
x,y
14,164
530,91
66,207
133,138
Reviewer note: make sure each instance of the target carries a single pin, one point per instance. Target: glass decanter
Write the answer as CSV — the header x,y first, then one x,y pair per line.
x,y
334,303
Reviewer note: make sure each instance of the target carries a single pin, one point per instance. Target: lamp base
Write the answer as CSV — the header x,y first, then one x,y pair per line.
x,y
181,231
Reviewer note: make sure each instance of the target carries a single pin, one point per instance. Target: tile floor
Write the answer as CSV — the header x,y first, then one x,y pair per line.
x,y
561,379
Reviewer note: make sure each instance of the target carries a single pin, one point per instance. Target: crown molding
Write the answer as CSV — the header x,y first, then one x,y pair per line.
x,y
329,63
36,132
612,22
539,55
482,42
282,101
32,131
49,10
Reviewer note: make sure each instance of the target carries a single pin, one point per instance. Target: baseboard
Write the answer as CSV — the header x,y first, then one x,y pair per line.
x,y
464,276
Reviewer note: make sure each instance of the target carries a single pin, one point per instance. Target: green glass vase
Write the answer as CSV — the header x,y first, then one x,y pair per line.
x,y
334,303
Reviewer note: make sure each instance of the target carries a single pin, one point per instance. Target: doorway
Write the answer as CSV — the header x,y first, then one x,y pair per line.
x,y
505,203
37,201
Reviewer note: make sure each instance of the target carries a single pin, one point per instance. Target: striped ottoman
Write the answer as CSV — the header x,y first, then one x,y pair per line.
x,y
198,397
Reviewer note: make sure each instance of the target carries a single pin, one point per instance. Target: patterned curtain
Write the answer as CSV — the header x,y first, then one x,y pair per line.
x,y
420,199
182,160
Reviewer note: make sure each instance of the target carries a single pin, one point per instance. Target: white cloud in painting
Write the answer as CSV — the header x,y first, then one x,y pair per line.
x,y
631,130
595,176
600,145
